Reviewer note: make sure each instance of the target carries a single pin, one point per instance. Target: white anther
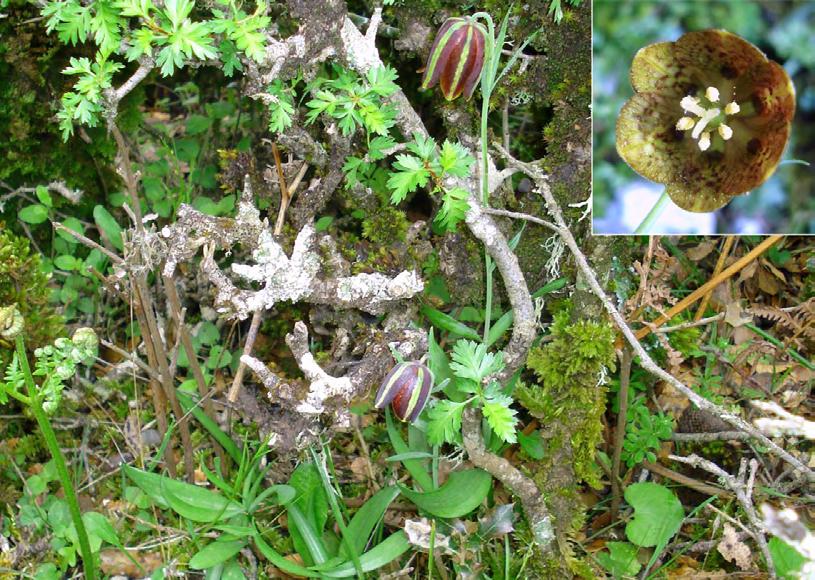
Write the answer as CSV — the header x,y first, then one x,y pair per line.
x,y
732,108
692,105
685,123
712,94
704,141
725,131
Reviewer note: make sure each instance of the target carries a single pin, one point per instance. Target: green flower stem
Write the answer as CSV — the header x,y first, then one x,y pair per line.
x,y
487,83
654,214
35,404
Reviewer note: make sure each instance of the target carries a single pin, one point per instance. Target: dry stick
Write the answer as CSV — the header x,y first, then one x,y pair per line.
x,y
737,266
686,481
619,431
88,242
690,324
195,367
646,362
728,244
237,380
147,322
159,397
132,357
153,337
284,191
742,487
707,437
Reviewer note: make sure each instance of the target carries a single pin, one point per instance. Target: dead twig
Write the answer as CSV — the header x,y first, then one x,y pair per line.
x,y
619,432
742,487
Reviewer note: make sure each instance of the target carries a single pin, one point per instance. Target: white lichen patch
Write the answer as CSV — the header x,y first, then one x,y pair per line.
x,y
377,288
323,386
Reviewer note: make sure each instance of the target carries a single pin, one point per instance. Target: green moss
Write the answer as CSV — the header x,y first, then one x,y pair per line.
x,y
570,400
23,282
385,226
569,369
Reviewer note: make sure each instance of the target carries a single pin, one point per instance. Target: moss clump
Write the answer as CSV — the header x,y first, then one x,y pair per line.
x,y
385,226
570,368
23,282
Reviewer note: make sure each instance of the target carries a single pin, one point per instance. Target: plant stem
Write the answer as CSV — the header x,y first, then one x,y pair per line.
x,y
654,214
59,462
486,93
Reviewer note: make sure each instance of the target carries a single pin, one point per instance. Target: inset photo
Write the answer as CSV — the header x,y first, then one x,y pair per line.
x,y
704,117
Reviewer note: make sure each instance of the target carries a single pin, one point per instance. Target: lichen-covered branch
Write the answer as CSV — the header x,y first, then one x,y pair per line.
x,y
524,488
282,278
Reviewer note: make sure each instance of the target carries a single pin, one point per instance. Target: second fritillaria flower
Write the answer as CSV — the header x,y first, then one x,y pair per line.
x,y
407,388
456,58
709,118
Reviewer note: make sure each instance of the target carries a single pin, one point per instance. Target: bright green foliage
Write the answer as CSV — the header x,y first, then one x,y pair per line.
x,y
56,363
281,108
472,368
658,514
786,559
571,368
644,433
22,282
410,174
444,421
556,11
354,102
620,560
243,29
77,21
165,27
429,164
84,103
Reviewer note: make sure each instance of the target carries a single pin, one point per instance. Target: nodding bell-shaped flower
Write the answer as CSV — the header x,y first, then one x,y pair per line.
x,y
456,58
407,388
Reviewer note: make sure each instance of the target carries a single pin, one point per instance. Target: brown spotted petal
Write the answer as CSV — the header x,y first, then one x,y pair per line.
x,y
407,388
456,58
710,117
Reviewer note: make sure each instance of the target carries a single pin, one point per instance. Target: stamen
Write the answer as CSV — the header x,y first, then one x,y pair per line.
x,y
704,141
725,131
712,94
732,108
692,105
685,123
707,117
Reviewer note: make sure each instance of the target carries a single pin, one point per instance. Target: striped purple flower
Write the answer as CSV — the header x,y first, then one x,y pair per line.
x,y
456,58
407,388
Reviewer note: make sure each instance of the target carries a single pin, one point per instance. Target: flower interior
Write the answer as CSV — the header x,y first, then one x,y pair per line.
x,y
709,117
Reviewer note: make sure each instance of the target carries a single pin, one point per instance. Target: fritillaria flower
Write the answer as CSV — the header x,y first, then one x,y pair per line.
x,y
709,118
407,388
456,58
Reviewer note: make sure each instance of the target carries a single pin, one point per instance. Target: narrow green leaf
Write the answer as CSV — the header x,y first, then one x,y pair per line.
x,y
216,553
368,516
313,542
188,501
446,322
382,554
279,561
109,227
